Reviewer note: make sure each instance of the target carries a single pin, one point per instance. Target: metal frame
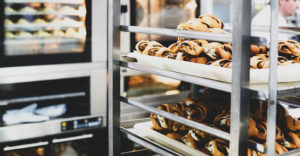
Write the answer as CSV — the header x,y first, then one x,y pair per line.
x,y
240,88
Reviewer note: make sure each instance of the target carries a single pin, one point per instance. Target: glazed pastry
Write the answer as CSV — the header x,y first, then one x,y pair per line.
x,y
258,49
198,135
22,21
183,57
189,141
217,30
9,35
222,121
9,10
279,148
201,60
211,50
287,62
297,59
217,147
165,123
289,47
213,21
42,33
141,46
174,136
221,63
197,112
163,52
8,22
224,52
39,21
174,47
282,59
292,124
28,10
190,47
291,141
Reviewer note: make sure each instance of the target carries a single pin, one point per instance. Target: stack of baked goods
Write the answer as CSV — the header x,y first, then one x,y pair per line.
x,y
216,53
212,108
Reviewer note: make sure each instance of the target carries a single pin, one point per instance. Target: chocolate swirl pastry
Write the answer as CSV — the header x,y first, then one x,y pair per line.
x,y
261,130
257,62
199,135
224,52
220,63
174,47
188,100
258,109
292,124
258,49
155,44
151,50
174,136
213,21
279,148
289,62
160,122
183,57
291,140
252,152
179,110
217,147
200,60
190,47
172,56
279,134
297,59
282,59
163,52
189,141
141,46
222,121
197,112
289,47
211,50
201,43
265,56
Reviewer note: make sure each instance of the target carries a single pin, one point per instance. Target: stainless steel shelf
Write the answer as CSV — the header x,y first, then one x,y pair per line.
x,y
47,72
48,26
262,28
43,13
190,123
291,153
46,1
188,34
259,91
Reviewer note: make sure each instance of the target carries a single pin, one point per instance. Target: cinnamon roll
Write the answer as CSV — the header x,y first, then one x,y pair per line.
x,y
190,47
211,50
163,52
212,21
141,46
217,147
289,47
197,112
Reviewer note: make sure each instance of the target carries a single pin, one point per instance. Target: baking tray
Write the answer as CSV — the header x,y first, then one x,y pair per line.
x,y
288,73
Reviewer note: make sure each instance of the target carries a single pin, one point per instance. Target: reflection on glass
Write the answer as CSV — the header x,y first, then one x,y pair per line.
x,y
44,28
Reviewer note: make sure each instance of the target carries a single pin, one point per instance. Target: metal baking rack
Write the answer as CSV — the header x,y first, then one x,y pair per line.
x,y
241,39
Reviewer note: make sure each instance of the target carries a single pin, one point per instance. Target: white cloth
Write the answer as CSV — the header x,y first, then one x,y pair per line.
x,y
263,18
52,111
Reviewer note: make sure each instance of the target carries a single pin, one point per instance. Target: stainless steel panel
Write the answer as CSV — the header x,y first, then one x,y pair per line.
x,y
80,137
47,72
272,102
114,77
240,77
98,90
99,30
30,145
34,130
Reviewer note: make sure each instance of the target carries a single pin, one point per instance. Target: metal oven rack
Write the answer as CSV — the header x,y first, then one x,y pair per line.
x,y
241,39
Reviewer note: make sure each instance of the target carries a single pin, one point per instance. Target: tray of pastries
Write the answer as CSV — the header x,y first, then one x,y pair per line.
x,y
212,108
213,60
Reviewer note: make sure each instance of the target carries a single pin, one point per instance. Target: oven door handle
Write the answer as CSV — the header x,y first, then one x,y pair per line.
x,y
80,137
30,145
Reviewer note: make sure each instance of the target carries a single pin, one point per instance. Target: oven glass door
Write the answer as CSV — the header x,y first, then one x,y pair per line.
x,y
45,32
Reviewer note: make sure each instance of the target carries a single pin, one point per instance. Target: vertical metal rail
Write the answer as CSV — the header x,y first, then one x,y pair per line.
x,y
114,12
240,77
271,125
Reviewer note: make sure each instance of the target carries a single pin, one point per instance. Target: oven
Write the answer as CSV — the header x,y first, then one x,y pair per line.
x,y
44,32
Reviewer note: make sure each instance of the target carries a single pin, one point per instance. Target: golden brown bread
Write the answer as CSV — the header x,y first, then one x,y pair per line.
x,y
141,46
151,50
190,47
183,56
224,52
163,52
212,21
289,47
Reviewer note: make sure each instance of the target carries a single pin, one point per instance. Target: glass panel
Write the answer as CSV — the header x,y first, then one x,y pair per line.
x,y
44,27
27,152
78,148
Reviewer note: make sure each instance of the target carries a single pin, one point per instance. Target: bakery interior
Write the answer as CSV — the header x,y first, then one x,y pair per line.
x,y
149,77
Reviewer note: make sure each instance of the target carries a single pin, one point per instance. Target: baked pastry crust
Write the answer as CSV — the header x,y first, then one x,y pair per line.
x,y
174,136
200,60
211,50
221,63
217,147
212,20
141,46
183,57
151,50
190,47
163,52
289,47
